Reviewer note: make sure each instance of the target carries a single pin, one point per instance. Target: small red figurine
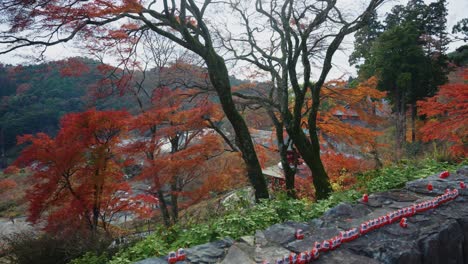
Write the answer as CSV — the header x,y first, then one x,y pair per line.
x,y
317,245
429,187
292,258
332,243
444,174
365,198
302,258
299,235
172,258
325,245
462,185
180,254
404,222
364,228
314,253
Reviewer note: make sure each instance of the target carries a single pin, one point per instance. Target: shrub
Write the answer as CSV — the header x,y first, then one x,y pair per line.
x,y
27,247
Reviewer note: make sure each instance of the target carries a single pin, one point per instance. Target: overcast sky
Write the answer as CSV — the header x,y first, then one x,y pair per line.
x,y
457,10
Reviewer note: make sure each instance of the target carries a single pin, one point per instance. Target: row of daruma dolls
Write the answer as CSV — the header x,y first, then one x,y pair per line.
x,y
366,227
353,233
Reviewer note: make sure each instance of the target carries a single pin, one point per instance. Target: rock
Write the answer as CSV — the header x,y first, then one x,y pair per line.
x,y
346,210
212,252
250,240
279,234
270,253
463,171
384,248
247,249
464,225
235,255
398,196
260,239
445,246
345,256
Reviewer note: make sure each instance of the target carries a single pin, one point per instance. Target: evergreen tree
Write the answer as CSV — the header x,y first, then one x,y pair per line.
x,y
428,23
461,28
364,39
399,62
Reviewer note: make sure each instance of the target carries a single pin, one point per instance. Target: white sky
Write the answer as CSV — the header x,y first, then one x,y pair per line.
x,y
457,9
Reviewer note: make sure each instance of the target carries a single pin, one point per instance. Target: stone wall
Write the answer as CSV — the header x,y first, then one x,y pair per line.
x,y
438,235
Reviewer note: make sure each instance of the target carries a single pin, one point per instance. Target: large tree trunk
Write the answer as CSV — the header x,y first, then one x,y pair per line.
x,y
310,153
289,173
219,77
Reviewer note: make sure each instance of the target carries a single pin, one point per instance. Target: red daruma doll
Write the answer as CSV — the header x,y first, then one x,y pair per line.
x,y
404,222
430,187
444,174
462,185
180,254
365,198
299,234
172,258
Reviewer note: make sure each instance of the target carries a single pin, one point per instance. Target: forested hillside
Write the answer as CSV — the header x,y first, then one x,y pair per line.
x,y
34,97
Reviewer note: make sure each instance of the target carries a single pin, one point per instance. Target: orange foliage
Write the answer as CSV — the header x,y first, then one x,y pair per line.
x,y
350,114
11,170
342,168
7,184
73,67
447,114
304,187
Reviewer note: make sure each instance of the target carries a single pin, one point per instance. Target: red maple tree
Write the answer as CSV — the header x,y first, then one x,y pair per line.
x,y
447,116
77,181
177,152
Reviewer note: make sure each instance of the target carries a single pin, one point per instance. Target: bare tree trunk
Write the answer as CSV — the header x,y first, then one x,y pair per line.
x,y
400,123
174,201
163,208
375,155
413,121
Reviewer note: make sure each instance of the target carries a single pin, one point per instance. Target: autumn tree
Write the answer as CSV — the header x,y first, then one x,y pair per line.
x,y
77,181
300,34
177,150
349,118
447,116
186,23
